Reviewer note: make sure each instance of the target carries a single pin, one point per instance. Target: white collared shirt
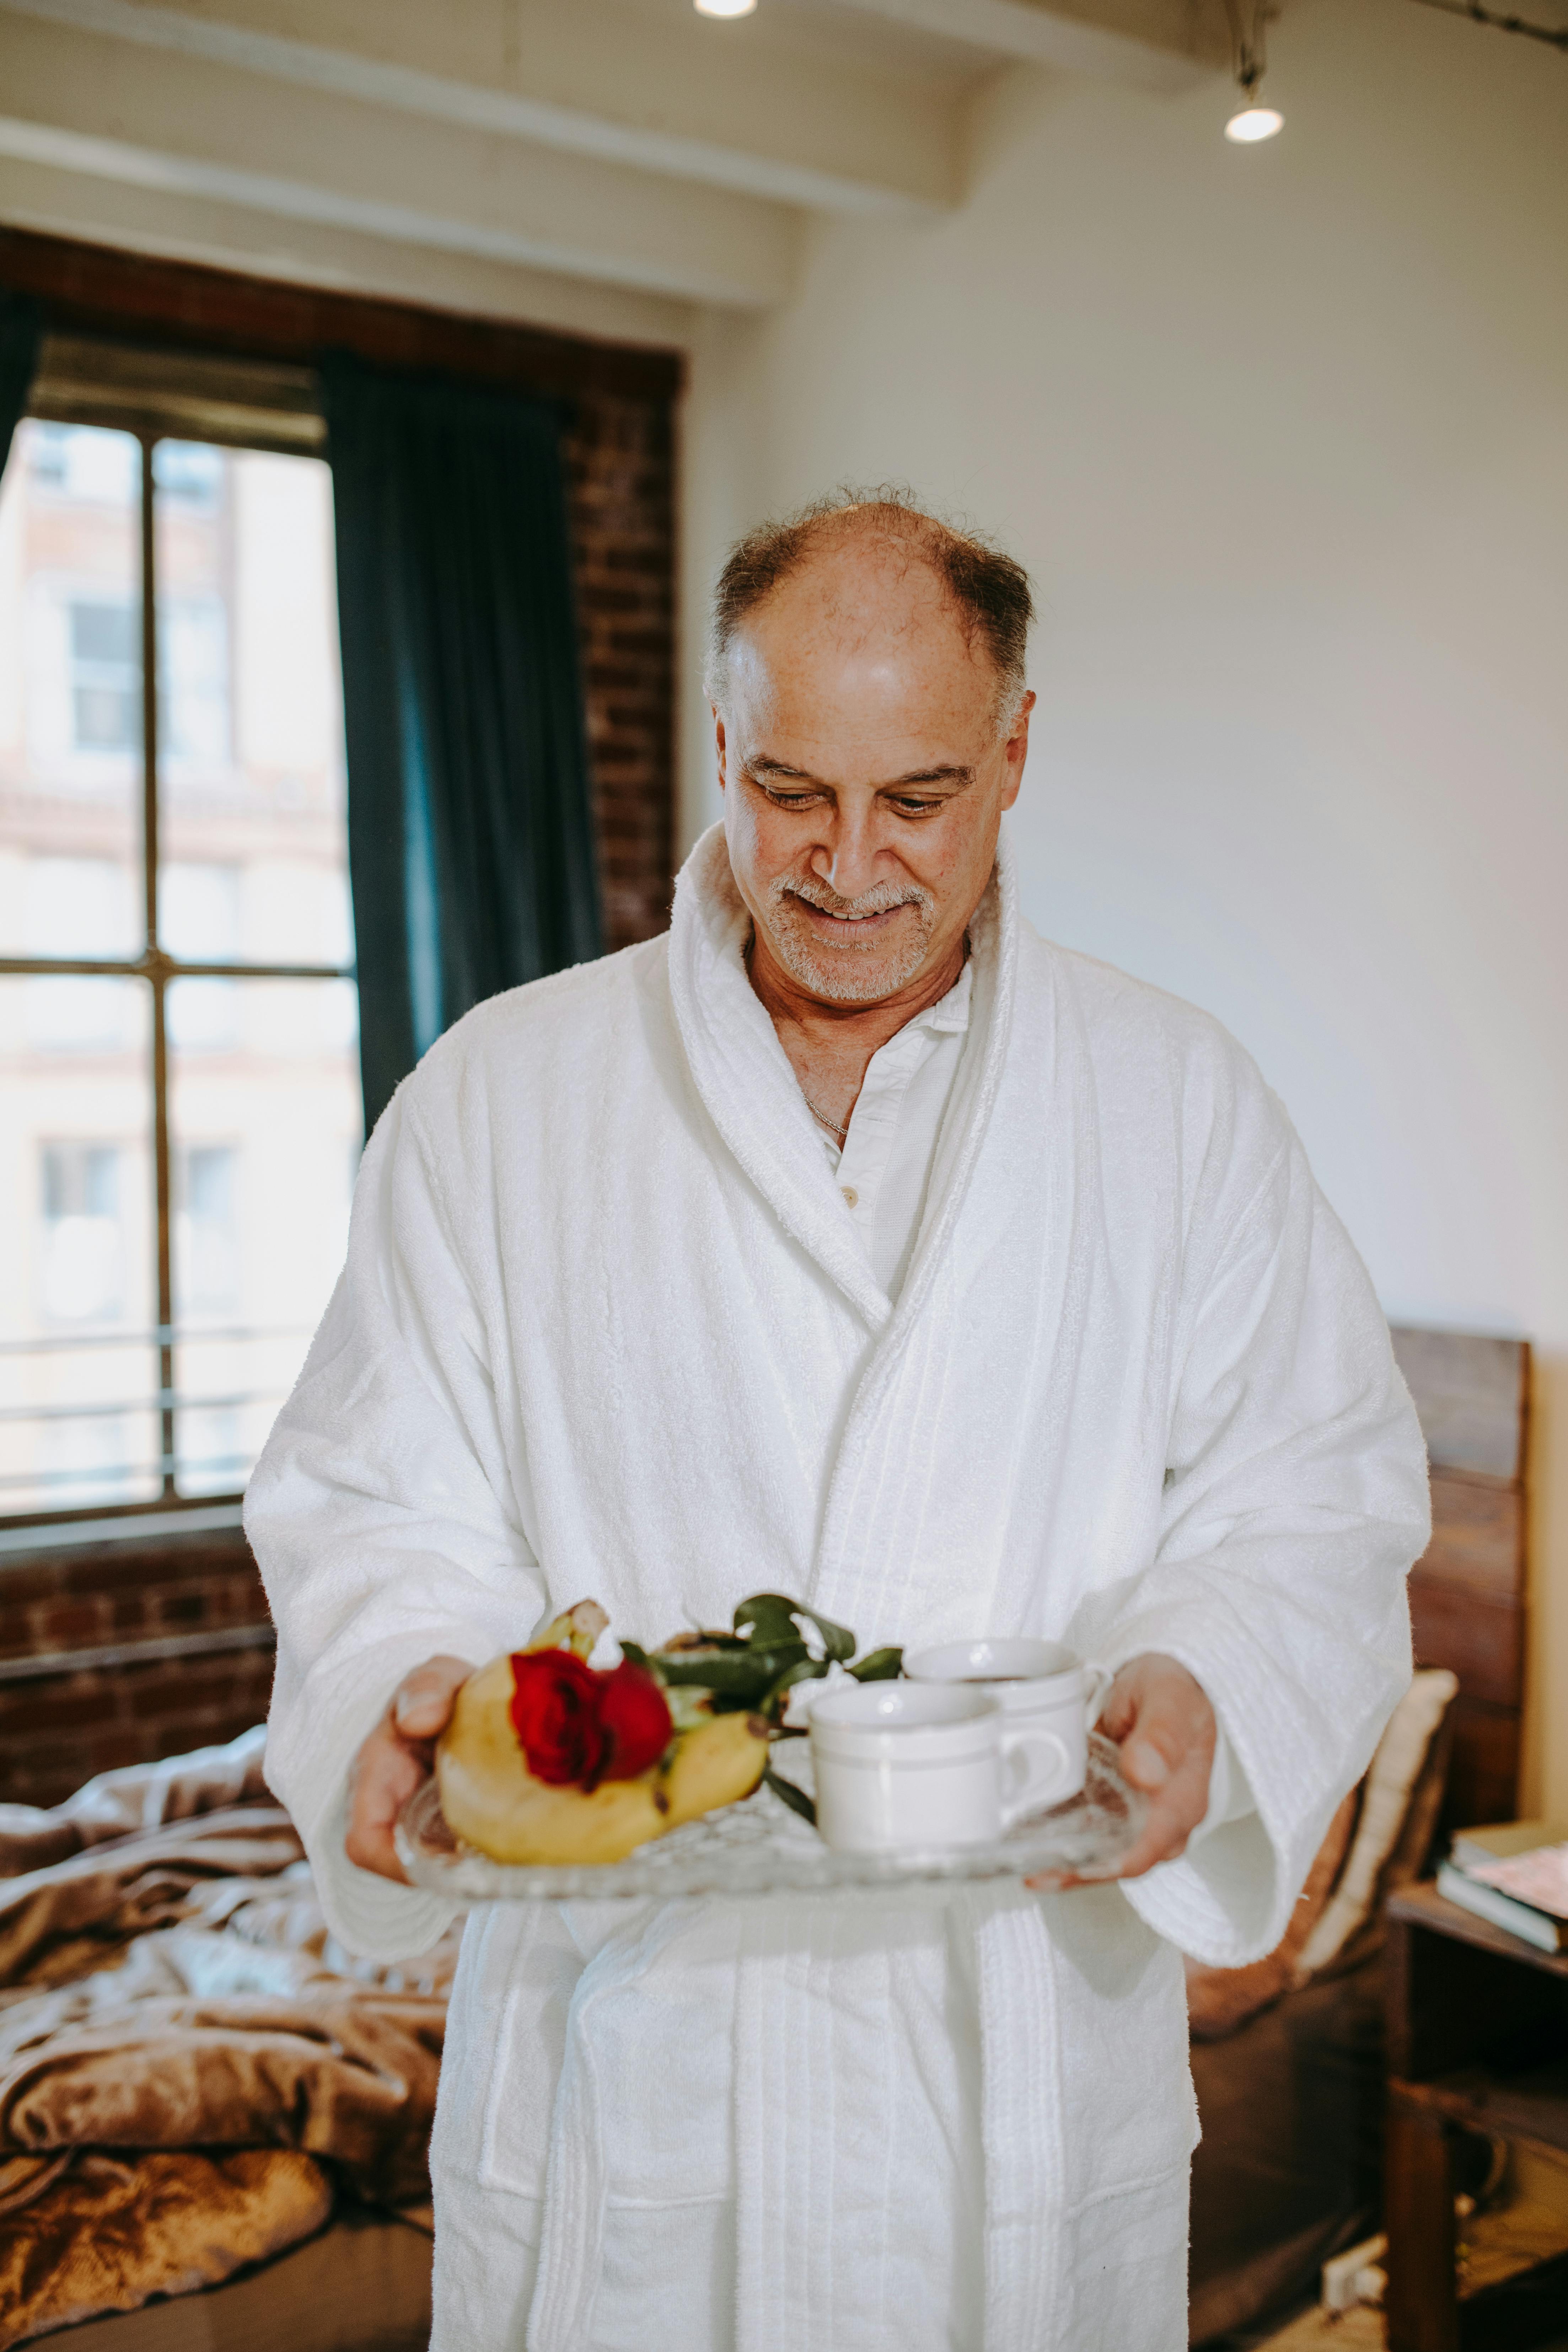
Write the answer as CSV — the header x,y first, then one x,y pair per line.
x,y
883,1169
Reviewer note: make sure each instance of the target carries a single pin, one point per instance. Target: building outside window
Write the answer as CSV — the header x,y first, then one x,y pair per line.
x,y
81,1265
106,676
179,1090
206,1232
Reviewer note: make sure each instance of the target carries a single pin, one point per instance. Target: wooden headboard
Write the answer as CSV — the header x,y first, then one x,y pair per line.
x,y
1467,1593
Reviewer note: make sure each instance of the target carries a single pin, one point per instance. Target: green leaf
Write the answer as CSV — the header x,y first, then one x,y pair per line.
x,y
804,1670
772,1617
796,1799
767,1617
880,1666
740,1677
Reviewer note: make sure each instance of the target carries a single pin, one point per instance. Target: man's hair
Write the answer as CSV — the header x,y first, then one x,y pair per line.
x,y
989,591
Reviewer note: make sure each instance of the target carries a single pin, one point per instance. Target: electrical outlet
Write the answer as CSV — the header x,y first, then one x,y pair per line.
x,y
1354,2277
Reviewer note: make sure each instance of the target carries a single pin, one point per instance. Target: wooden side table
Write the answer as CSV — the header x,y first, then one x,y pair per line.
x,y
1478,2036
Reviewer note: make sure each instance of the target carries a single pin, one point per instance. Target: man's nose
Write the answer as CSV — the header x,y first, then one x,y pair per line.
x,y
846,861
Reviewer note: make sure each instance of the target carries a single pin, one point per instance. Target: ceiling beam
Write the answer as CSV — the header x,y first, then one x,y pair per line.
x,y
60,203
192,175
1163,44
184,126
598,133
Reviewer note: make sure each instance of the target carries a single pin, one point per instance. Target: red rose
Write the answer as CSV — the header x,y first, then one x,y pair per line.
x,y
634,1716
555,1714
577,1728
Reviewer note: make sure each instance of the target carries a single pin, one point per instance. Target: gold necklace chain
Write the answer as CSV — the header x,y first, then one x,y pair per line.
x,y
822,1119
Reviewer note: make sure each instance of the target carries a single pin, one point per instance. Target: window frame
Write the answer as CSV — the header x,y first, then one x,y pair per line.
x,y
299,432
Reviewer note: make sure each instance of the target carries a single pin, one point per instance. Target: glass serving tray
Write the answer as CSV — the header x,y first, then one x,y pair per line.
x,y
760,1846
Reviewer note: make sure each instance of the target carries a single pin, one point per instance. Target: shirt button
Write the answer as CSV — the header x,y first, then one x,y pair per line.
x,y
851,1197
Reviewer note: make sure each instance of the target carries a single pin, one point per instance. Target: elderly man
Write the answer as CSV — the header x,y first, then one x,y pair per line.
x,y
851,1241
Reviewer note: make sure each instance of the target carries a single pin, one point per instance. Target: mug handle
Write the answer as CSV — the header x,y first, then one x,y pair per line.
x,y
1029,1743
1100,1679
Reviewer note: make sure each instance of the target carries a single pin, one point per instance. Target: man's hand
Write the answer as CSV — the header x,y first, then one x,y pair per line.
x,y
398,1754
1157,1713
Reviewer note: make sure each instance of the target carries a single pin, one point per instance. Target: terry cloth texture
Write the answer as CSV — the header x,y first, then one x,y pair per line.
x,y
1221,1999
607,1328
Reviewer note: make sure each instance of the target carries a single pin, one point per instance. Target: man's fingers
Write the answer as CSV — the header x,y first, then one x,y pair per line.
x,y
1163,1836
375,1850
1143,1765
1157,1713
395,1758
385,1777
422,1704
1120,1705
1166,1722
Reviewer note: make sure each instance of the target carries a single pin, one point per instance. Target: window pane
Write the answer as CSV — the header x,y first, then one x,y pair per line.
x,y
71,692
198,910
78,1366
264,1135
250,710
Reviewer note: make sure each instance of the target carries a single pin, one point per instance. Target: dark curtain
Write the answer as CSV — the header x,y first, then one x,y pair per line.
x,y
19,332
471,835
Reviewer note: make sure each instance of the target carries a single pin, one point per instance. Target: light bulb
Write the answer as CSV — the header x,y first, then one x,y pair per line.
x,y
1253,123
724,7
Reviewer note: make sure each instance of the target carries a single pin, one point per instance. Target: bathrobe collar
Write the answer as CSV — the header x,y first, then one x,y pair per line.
x,y
750,1091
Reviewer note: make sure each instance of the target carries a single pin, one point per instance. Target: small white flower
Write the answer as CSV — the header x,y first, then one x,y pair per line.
x,y
806,1627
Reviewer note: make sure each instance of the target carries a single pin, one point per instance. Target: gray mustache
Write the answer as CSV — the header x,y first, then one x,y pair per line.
x,y
880,900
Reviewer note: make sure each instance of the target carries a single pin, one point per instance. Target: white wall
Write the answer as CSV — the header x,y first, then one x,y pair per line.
x,y
1283,436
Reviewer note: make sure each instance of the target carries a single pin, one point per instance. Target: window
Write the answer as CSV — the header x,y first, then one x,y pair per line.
x,y
193,685
206,1251
106,676
179,1088
82,1262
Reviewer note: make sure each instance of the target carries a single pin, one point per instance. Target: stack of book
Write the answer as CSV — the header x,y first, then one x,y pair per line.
x,y
1516,1875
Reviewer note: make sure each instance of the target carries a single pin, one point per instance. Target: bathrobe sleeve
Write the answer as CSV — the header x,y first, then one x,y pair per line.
x,y
1295,1502
383,1516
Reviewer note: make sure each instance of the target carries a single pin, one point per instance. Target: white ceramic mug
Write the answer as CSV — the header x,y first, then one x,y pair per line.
x,y
896,1764
1043,1686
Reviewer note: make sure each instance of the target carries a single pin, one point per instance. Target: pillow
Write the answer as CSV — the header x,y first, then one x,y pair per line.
x,y
1390,1785
1378,1837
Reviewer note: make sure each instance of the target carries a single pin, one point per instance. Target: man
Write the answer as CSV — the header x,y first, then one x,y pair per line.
x,y
851,1242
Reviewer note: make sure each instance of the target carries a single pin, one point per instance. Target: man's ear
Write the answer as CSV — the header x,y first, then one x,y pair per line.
x,y
719,741
1018,751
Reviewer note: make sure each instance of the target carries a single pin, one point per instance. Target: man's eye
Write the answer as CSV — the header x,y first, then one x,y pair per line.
x,y
916,808
789,800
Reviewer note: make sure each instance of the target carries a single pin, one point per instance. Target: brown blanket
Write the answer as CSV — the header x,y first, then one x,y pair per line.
x,y
137,1797
104,2234
189,2067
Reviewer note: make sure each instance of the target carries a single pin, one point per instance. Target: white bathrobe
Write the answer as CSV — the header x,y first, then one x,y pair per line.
x,y
607,1328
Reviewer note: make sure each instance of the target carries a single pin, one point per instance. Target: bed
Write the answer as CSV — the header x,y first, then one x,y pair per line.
x,y
214,2122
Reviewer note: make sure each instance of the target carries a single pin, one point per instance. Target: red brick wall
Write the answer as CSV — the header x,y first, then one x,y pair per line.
x,y
57,1729
621,477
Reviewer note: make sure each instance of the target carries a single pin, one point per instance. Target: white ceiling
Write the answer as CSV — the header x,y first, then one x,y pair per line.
x,y
629,142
